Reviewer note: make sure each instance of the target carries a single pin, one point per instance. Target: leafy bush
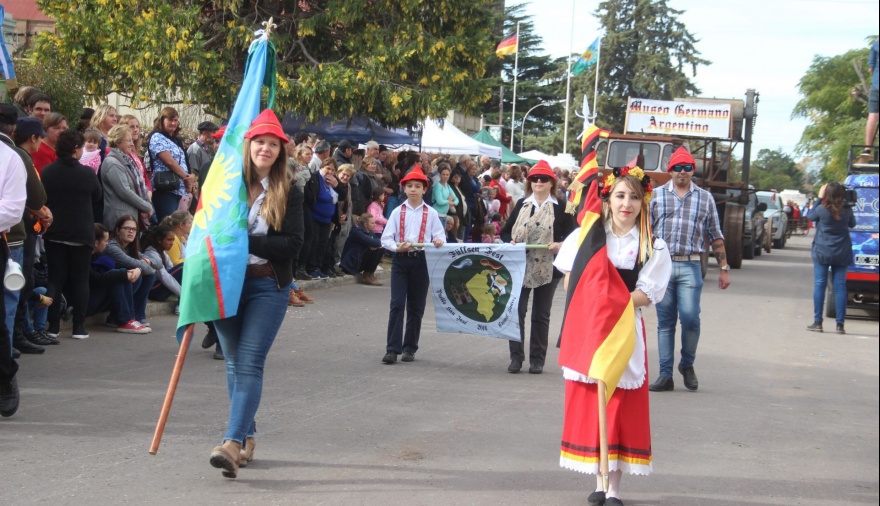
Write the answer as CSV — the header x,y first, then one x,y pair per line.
x,y
58,81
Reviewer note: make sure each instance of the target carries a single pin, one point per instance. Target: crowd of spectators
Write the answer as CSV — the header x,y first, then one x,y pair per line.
x,y
109,210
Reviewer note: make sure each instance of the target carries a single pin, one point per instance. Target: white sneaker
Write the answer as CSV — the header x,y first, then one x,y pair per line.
x,y
379,268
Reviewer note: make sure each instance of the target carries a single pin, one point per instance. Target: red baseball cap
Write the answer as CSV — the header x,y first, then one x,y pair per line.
x,y
219,133
542,168
266,123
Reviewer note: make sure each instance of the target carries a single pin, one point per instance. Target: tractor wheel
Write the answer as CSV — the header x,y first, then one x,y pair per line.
x,y
734,220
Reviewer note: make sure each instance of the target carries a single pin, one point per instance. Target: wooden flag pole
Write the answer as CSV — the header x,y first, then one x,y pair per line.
x,y
603,435
172,387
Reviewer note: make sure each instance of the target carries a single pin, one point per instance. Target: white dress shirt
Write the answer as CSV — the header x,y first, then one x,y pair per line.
x,y
13,192
433,228
257,225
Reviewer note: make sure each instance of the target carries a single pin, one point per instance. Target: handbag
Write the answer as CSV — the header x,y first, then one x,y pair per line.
x,y
144,220
166,181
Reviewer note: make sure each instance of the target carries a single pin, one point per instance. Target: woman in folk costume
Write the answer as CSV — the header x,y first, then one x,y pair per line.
x,y
637,276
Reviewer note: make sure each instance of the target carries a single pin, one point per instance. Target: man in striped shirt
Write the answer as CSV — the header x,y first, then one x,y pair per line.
x,y
681,214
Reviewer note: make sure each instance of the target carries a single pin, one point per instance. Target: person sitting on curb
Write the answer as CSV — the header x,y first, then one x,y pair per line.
x,y
363,251
111,288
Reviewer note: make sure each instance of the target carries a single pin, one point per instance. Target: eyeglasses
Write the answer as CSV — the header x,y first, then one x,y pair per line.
x,y
128,229
540,179
683,167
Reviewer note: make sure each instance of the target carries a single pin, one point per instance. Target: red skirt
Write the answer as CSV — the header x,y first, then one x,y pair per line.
x,y
628,429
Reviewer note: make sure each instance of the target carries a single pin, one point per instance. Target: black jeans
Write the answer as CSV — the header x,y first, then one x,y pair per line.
x,y
318,245
308,237
540,325
68,273
8,367
409,293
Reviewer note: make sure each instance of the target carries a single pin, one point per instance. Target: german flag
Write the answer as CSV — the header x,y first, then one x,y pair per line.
x,y
508,45
598,331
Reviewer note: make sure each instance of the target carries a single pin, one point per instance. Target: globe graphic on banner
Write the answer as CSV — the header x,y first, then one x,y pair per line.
x,y
478,287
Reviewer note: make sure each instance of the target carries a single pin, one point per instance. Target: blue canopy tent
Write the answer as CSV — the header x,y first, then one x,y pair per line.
x,y
358,129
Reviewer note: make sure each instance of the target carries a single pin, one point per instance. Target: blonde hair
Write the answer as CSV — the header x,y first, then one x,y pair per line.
x,y
646,234
117,133
368,160
100,115
92,136
176,219
275,205
347,168
299,150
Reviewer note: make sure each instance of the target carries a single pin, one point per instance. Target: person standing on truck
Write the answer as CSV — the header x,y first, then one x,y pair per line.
x,y
873,106
832,250
681,214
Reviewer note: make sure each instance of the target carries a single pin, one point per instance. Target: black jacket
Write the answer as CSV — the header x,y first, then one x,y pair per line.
x,y
280,247
72,190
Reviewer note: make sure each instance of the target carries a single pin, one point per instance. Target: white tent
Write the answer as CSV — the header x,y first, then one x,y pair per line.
x,y
558,161
452,141
534,154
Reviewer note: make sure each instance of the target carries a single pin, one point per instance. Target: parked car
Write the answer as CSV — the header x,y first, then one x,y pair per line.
x,y
776,216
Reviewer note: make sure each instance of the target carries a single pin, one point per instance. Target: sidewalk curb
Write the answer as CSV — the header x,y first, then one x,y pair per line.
x,y
155,308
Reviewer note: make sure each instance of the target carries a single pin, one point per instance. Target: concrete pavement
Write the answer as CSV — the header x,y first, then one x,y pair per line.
x,y
783,416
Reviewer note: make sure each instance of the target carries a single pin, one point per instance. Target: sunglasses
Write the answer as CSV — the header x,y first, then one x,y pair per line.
x,y
540,179
683,167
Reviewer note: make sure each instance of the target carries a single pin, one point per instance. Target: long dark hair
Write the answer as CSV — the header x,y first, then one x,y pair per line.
x,y
132,249
833,199
154,238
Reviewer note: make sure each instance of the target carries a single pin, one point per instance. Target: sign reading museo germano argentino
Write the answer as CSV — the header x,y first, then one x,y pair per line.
x,y
683,119
476,288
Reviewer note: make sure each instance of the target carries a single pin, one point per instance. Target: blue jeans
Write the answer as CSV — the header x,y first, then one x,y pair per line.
x,y
164,203
409,293
40,313
160,292
246,339
681,302
125,301
820,283
10,297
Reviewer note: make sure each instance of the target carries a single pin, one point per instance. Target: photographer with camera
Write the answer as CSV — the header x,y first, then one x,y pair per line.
x,y
832,250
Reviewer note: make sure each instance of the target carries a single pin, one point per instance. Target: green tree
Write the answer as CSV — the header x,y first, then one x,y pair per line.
x,y
533,86
776,170
396,61
647,52
58,81
836,114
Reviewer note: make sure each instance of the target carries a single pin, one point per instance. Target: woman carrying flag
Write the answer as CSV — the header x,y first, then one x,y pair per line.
x,y
275,234
639,271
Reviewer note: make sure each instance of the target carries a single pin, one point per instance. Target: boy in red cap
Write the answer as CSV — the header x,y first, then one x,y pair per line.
x,y
411,222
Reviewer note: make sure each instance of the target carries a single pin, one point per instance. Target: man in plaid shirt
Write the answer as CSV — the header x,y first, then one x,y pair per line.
x,y
681,214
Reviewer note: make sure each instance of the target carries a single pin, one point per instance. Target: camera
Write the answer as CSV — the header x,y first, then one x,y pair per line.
x,y
849,196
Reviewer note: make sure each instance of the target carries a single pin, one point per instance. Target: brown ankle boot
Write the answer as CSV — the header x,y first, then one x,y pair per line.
x,y
303,297
371,280
247,452
226,457
294,301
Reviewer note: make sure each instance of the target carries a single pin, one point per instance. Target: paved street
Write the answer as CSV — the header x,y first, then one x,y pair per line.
x,y
782,417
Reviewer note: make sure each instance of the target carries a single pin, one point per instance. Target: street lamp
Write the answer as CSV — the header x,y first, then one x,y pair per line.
x,y
522,129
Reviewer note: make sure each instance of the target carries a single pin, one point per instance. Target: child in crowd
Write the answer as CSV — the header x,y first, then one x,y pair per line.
x,y
38,306
156,244
489,234
112,288
493,204
377,210
362,252
411,222
450,230
91,156
180,222
496,222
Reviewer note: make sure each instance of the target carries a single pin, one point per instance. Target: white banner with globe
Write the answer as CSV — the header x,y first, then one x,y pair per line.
x,y
476,288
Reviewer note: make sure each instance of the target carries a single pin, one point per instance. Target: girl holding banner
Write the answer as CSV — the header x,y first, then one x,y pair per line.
x,y
275,234
643,265
538,219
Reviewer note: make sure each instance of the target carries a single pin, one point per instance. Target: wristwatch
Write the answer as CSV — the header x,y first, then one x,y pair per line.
x,y
725,267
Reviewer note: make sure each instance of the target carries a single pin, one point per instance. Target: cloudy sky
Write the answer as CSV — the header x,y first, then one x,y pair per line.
x,y
761,44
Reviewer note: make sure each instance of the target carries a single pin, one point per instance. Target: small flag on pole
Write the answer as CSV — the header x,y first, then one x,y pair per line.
x,y
6,68
508,45
587,60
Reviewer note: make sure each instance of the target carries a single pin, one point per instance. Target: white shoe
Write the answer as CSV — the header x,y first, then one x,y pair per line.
x,y
379,268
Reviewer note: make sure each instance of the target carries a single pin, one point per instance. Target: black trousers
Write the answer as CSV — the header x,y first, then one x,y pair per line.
x,y
540,324
318,245
409,293
68,273
371,259
8,367
308,237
